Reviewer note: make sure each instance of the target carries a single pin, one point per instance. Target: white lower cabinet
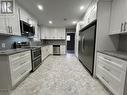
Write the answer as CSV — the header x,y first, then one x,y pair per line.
x,y
62,49
46,51
13,68
111,71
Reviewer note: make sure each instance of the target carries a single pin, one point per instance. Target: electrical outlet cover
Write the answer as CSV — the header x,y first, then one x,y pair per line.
x,y
3,45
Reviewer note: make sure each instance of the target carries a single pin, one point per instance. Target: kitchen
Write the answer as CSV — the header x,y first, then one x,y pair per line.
x,y
34,55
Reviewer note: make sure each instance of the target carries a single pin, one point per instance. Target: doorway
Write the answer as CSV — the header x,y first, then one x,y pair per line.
x,y
70,42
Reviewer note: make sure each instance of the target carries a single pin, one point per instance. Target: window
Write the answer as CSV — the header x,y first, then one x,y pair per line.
x,y
68,38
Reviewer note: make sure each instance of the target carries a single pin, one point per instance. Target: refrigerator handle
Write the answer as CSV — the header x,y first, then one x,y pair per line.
x,y
83,43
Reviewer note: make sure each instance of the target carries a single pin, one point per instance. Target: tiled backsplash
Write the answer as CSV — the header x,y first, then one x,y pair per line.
x,y
53,42
9,40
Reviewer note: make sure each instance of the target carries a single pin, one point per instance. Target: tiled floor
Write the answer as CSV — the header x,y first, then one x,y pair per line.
x,y
60,75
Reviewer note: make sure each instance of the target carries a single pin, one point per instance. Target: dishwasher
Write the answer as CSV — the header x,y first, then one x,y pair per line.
x,y
56,49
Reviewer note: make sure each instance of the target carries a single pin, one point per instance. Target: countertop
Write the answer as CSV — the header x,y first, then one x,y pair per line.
x,y
52,45
117,54
12,51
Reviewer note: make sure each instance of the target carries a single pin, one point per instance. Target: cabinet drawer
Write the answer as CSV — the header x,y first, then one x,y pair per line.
x,y
18,63
19,55
20,73
113,84
118,63
114,70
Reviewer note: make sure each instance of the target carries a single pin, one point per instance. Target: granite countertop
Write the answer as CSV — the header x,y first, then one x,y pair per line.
x,y
12,51
117,54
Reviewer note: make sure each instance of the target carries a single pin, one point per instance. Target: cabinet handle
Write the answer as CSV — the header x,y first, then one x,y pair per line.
x,y
107,59
121,27
106,68
11,29
125,23
105,80
22,63
23,72
8,29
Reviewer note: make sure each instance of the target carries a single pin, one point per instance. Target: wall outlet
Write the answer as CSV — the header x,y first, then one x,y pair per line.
x,y
3,45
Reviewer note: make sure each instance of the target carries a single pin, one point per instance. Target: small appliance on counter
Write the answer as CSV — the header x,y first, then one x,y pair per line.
x,y
35,53
20,44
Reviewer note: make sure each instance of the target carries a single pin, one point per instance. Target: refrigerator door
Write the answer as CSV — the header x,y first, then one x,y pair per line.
x,y
87,47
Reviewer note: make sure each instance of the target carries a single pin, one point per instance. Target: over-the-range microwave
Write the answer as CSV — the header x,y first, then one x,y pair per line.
x,y
26,29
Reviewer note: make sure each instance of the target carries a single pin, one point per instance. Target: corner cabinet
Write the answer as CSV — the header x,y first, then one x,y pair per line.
x,y
112,72
13,69
118,23
9,23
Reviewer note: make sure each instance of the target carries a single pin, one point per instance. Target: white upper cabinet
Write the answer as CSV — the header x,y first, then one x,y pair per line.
x,y
3,25
118,17
52,33
24,15
90,15
9,23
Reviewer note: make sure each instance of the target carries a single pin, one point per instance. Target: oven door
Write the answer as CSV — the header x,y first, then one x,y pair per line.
x,y
36,53
36,63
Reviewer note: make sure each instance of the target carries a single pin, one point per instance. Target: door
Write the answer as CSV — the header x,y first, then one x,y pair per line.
x,y
70,42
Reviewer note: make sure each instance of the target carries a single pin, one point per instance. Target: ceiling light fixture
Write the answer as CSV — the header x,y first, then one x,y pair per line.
x,y
74,22
50,22
40,7
81,8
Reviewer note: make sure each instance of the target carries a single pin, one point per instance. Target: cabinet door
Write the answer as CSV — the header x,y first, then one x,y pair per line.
x,y
13,23
43,31
117,16
125,16
58,33
62,49
63,34
50,49
3,25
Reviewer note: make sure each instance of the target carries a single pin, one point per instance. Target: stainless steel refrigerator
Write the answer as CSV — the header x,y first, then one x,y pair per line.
x,y
86,50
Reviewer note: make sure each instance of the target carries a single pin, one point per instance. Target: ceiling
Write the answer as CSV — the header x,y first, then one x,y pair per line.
x,y
56,10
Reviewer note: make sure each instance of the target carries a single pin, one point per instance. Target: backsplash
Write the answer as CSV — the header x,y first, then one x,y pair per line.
x,y
123,43
53,42
9,40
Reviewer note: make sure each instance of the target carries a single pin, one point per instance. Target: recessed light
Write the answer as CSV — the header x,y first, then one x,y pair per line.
x,y
40,7
74,22
50,22
81,7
